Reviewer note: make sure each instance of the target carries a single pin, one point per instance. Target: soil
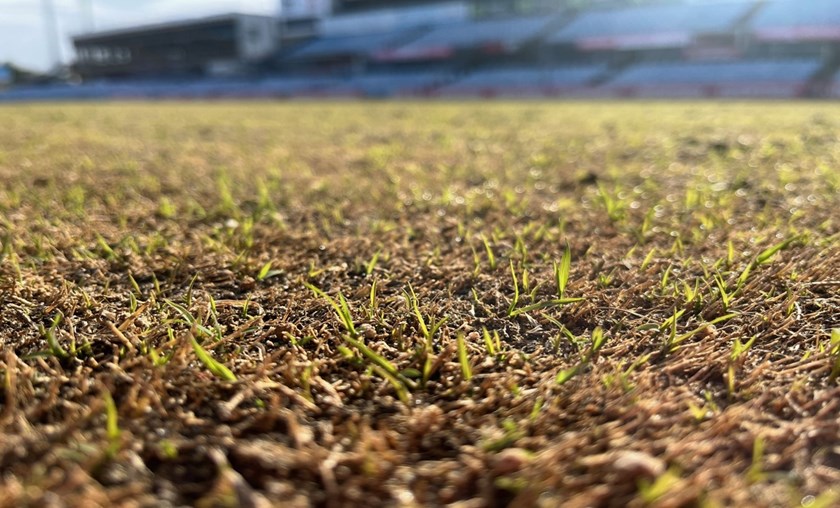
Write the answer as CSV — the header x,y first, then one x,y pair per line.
x,y
173,332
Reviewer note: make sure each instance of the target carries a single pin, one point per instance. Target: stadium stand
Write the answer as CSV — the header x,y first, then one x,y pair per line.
x,y
351,45
651,26
724,48
402,84
791,20
294,86
276,87
522,82
191,47
716,79
488,36
6,76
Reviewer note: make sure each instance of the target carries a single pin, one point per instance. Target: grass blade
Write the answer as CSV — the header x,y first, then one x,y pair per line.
x,y
399,386
567,374
212,365
112,427
515,301
266,272
379,360
466,370
342,310
371,265
491,259
542,305
681,338
563,270
52,341
180,309
768,253
598,340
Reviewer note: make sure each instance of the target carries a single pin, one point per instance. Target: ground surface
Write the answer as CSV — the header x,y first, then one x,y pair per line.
x,y
173,329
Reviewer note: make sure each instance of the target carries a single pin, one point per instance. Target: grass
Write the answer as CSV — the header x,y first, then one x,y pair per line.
x,y
420,304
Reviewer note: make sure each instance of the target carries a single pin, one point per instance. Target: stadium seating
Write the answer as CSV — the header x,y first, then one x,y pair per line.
x,y
284,87
648,26
494,36
294,86
723,79
480,58
351,45
797,20
521,82
388,84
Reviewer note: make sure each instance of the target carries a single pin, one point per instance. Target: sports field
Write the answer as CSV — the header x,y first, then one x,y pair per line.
x,y
419,304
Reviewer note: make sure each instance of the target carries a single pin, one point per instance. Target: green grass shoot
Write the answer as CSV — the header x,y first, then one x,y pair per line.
x,y
215,367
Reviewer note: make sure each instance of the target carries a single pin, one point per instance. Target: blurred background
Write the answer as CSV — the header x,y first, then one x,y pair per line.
x,y
101,49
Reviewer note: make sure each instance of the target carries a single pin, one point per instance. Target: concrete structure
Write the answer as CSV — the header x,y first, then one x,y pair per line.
x,y
216,45
6,76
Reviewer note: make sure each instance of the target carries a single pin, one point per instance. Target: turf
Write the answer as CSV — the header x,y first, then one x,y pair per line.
x,y
400,304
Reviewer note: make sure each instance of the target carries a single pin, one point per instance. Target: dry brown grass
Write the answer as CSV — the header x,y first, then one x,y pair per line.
x,y
137,237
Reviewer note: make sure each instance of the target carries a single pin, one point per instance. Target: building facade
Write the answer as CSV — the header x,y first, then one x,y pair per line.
x,y
217,45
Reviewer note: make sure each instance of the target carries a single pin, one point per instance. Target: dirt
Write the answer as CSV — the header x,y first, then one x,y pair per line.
x,y
138,238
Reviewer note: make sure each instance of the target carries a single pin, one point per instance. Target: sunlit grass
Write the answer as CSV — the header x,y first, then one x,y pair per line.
x,y
419,303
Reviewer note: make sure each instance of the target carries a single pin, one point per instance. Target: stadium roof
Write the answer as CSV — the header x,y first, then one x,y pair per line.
x,y
797,20
160,27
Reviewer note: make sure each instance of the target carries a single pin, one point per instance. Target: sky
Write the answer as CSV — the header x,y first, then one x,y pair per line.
x,y
23,38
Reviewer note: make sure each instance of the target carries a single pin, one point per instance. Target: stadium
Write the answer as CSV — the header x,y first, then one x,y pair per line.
x,y
460,49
